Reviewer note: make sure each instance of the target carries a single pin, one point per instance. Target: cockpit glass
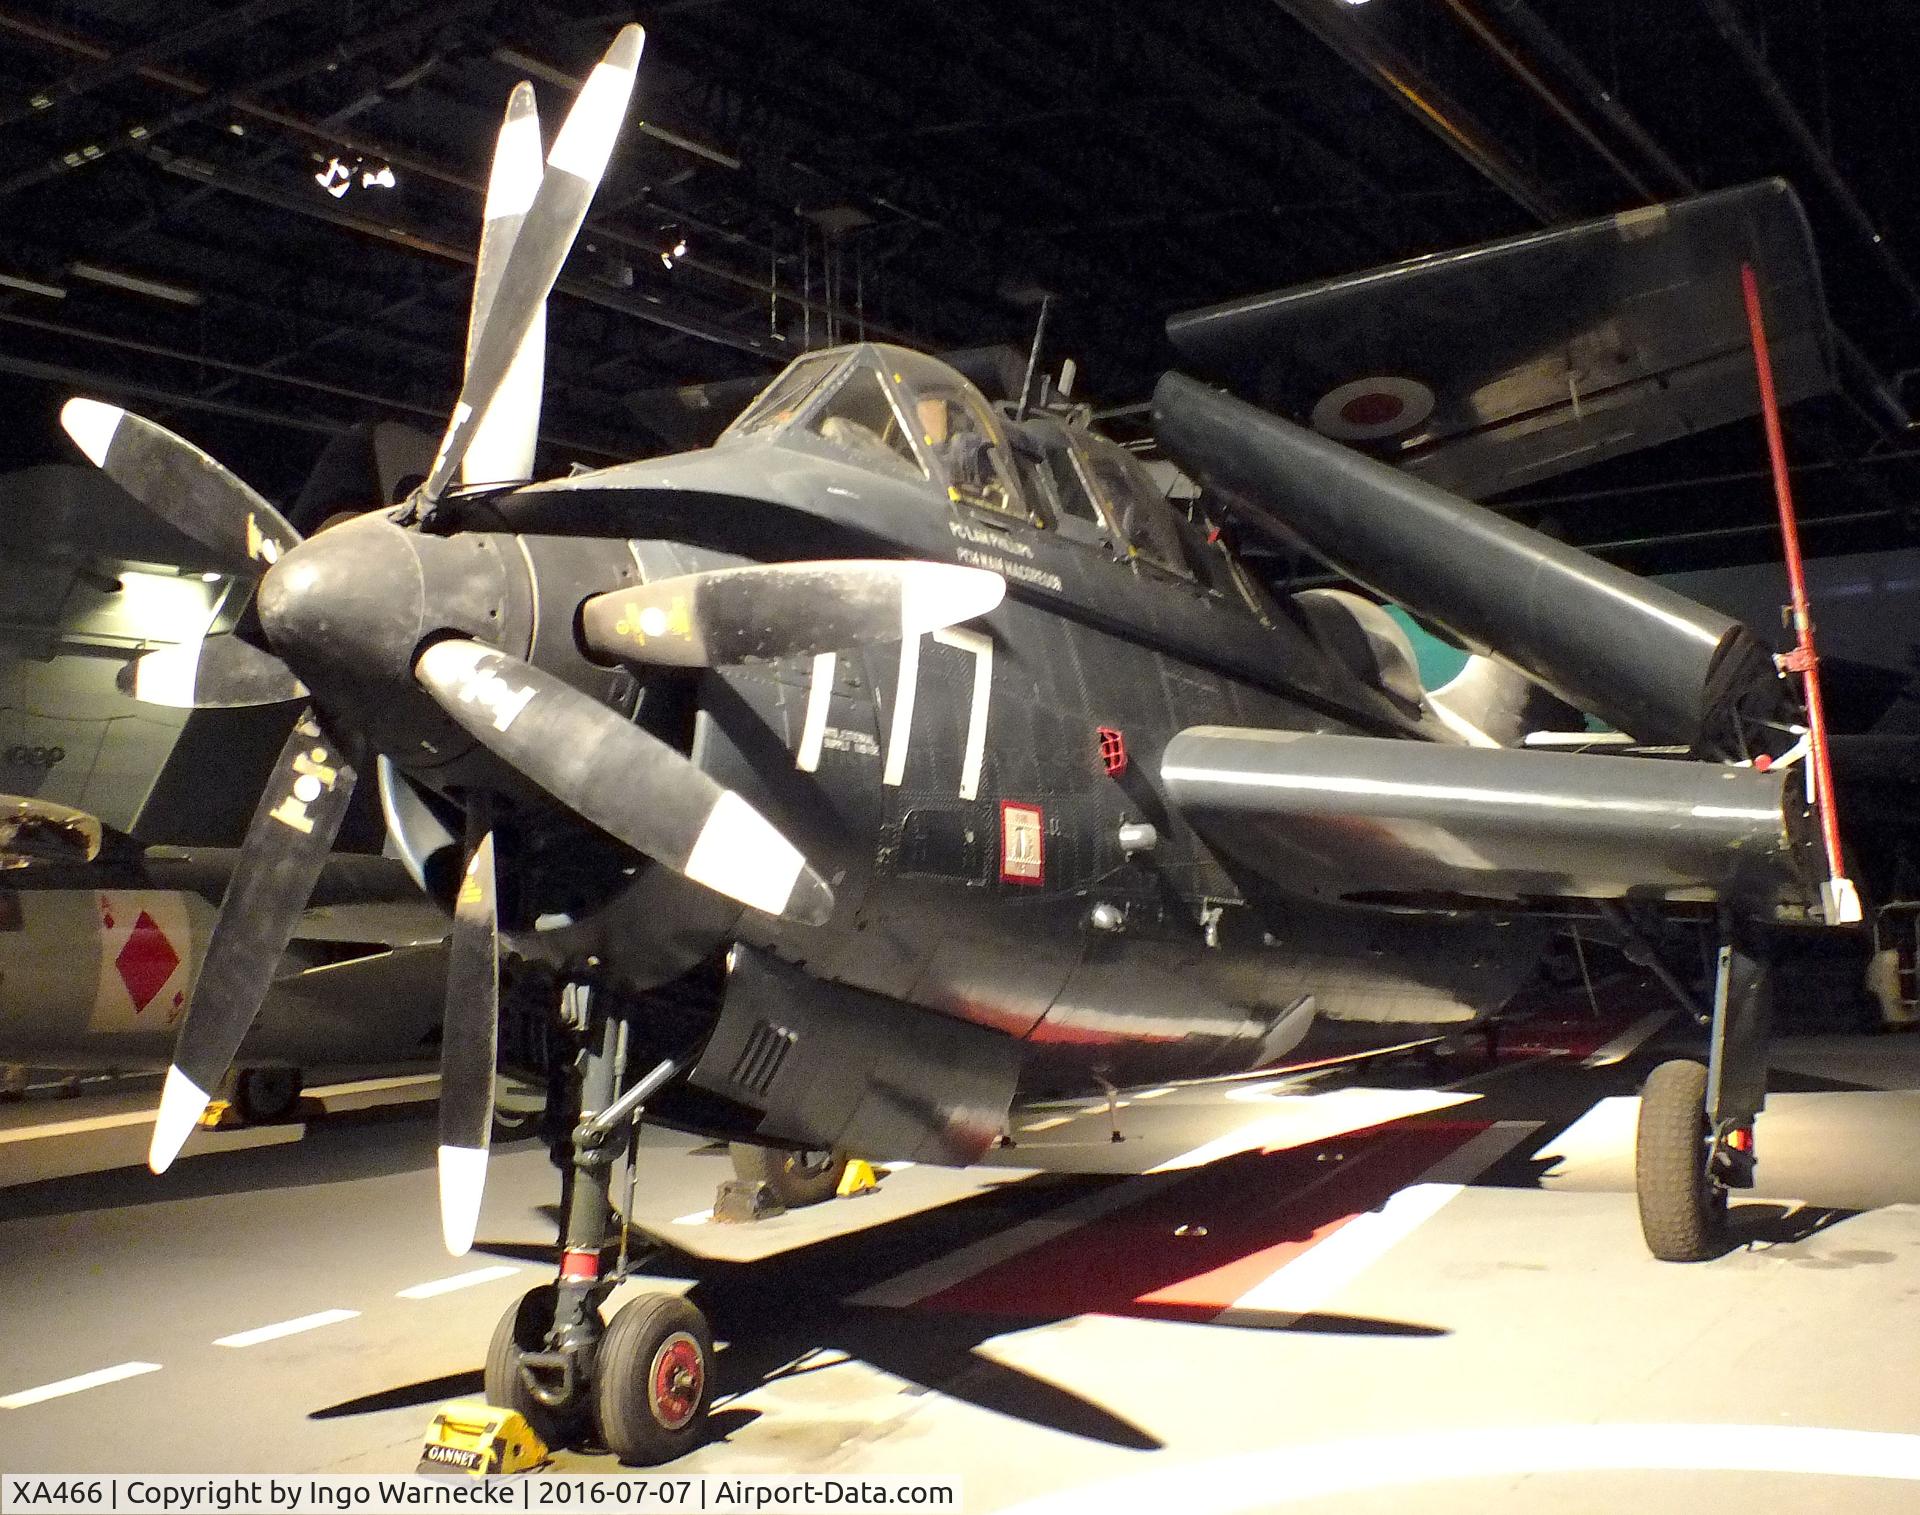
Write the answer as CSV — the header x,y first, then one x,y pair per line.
x,y
862,418
782,399
955,428
1144,517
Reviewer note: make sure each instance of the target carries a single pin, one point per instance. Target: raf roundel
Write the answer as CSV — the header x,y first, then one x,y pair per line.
x,y
1372,409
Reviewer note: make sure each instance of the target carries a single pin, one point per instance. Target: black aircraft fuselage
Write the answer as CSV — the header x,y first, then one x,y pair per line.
x,y
985,801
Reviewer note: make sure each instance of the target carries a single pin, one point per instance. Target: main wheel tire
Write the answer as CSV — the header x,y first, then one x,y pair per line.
x,y
1683,1207
653,1380
262,1095
521,1330
796,1179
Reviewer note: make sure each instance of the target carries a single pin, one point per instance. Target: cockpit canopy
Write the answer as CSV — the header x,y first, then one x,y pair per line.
x,y
900,412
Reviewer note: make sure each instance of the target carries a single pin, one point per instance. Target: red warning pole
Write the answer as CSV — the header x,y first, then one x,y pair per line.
x,y
1841,900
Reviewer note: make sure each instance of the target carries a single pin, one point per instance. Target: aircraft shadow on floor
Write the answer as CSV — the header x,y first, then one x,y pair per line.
x,y
789,1314
380,1142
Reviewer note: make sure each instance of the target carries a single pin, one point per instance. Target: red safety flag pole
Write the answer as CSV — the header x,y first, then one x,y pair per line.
x,y
1839,898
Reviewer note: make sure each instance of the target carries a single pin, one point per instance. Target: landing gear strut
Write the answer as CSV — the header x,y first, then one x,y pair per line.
x,y
644,1382
1695,1137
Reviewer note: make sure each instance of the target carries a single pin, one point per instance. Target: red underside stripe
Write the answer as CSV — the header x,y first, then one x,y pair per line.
x,y
579,1264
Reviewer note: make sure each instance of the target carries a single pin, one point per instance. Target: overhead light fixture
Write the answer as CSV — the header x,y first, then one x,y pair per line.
x,y
338,176
153,288
674,253
32,286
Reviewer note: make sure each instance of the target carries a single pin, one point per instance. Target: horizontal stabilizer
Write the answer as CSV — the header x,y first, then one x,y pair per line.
x,y
1499,365
1369,818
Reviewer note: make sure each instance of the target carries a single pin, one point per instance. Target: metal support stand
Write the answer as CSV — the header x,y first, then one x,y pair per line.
x,y
1737,1058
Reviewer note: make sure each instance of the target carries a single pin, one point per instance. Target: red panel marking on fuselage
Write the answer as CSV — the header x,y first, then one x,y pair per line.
x,y
146,962
1259,1211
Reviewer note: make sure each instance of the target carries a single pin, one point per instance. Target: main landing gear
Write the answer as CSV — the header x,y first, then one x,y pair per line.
x,y
1695,1138
642,1384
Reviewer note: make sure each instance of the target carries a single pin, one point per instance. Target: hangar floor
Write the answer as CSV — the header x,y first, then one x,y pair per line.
x,y
1454,1314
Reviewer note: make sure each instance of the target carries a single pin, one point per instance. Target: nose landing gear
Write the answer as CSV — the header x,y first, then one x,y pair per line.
x,y
642,1384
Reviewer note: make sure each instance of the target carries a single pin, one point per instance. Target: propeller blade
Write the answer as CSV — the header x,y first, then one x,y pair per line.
x,y
180,484
468,1036
287,844
630,784
503,444
220,673
546,234
783,610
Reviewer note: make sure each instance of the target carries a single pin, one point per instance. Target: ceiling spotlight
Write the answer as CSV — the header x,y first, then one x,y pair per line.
x,y
672,254
380,178
336,178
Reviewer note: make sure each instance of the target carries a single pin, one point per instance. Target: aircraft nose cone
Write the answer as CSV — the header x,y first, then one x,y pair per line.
x,y
347,605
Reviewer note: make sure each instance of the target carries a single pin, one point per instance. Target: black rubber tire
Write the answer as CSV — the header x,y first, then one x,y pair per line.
x,y
653,1380
1683,1208
524,1329
796,1179
263,1095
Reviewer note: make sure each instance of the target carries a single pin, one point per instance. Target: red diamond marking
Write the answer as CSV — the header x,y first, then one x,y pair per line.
x,y
146,962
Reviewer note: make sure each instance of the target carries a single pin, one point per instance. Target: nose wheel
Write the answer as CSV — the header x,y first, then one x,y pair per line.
x,y
643,1384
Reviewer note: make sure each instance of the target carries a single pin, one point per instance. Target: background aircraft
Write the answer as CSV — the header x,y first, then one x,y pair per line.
x,y
894,759
98,946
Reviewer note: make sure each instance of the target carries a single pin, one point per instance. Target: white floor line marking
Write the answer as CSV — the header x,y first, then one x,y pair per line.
x,y
1316,1275
1630,1040
274,1332
697,1218
1277,1476
1310,1279
24,1397
1153,1093
930,1278
1048,1124
457,1281
1299,1120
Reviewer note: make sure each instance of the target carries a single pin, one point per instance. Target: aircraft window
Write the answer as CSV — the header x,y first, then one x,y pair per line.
x,y
786,394
955,429
860,417
1145,518
1069,489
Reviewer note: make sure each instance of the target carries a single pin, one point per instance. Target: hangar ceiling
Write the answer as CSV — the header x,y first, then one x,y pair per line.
x,y
921,172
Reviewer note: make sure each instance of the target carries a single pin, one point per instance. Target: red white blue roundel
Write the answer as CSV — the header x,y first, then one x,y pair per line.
x,y
1371,409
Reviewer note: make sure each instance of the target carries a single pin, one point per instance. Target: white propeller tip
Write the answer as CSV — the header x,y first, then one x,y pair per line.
x,y
91,424
182,1103
741,854
934,596
167,676
463,1184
